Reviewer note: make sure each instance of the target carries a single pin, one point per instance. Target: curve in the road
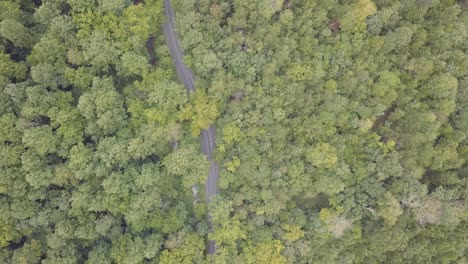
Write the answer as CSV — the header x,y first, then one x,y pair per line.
x,y
207,136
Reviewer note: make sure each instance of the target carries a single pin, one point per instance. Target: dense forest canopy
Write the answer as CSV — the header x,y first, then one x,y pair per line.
x,y
342,132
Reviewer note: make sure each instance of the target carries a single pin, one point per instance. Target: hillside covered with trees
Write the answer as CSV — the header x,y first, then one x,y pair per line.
x,y
341,132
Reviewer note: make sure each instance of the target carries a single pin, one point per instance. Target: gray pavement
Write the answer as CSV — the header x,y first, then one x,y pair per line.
x,y
207,136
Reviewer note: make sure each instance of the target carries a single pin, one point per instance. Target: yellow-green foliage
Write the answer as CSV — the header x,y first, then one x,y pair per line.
x,y
322,155
201,112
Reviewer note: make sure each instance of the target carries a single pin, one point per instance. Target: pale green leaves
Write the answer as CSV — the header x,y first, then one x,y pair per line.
x,y
133,64
15,32
103,108
232,134
130,249
389,208
201,112
397,39
188,163
11,69
41,139
322,155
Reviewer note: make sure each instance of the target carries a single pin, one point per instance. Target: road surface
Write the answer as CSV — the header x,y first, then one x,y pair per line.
x,y
207,136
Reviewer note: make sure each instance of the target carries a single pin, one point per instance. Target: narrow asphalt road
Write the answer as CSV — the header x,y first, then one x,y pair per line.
x,y
207,136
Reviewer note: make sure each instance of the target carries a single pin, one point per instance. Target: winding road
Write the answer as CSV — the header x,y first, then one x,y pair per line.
x,y
207,136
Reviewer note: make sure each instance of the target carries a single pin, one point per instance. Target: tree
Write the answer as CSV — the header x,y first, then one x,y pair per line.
x,y
322,156
201,112
188,163
398,39
10,10
30,252
428,212
17,33
265,253
188,249
141,19
133,64
389,208
134,249
102,107
10,69
354,19
40,139
293,232
99,52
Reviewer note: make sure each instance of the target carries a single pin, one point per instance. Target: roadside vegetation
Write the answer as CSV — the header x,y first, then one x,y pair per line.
x,y
341,132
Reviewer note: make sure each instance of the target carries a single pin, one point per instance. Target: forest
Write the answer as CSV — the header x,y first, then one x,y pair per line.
x,y
341,132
